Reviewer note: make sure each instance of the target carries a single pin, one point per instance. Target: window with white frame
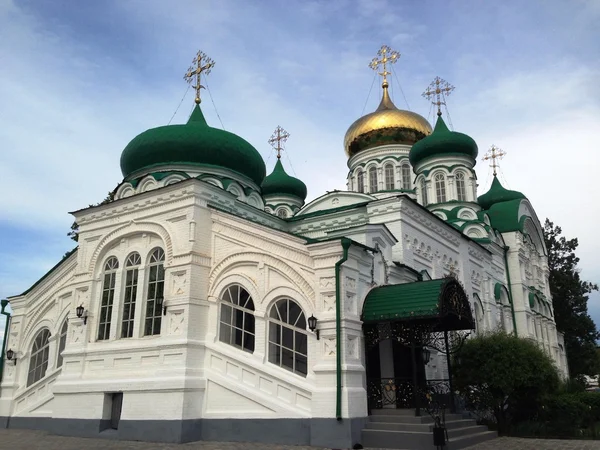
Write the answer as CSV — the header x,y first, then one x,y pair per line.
x,y
424,192
62,342
360,181
373,179
132,265
236,323
440,187
38,363
461,190
406,177
108,296
281,212
389,177
155,297
288,345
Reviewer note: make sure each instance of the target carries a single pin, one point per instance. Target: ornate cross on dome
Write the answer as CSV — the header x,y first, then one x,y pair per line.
x,y
200,64
436,92
387,56
493,154
277,139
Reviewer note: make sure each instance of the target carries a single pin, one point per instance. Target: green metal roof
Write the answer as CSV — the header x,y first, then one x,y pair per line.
x,y
497,194
504,216
279,182
195,144
420,299
443,142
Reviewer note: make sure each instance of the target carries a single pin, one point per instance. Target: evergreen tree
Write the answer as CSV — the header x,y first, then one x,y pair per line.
x,y
569,298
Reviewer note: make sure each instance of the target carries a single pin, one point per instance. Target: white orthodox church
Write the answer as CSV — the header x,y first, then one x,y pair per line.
x,y
207,301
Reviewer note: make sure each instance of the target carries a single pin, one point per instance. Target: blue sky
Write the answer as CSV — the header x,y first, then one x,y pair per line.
x,y
80,79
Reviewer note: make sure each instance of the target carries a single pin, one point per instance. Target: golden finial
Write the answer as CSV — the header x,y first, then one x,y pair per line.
x,y
437,91
387,56
277,139
200,64
493,154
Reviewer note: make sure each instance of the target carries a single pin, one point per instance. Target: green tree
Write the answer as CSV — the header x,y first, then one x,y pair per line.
x,y
503,374
569,298
74,233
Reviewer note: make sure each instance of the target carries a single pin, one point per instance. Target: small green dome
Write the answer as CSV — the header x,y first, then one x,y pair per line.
x,y
279,182
442,142
194,144
497,194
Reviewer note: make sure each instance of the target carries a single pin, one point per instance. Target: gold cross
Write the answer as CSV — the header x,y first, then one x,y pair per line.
x,y
200,64
277,139
493,154
437,91
388,56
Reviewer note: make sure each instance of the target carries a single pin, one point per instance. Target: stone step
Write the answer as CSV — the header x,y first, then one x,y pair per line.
x,y
423,427
426,418
411,440
394,412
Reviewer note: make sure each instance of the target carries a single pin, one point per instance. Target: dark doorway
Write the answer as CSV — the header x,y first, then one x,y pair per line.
x,y
115,413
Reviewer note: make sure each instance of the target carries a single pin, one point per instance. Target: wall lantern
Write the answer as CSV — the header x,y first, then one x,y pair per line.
x,y
426,355
10,355
312,325
79,311
160,302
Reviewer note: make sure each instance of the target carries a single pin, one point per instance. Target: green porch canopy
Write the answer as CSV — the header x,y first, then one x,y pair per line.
x,y
439,300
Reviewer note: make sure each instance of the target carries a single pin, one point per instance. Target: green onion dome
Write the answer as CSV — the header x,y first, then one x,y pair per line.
x,y
497,194
280,183
443,142
194,144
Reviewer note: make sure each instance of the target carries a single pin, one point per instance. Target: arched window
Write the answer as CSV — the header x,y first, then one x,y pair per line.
x,y
478,314
424,192
281,212
237,318
288,337
360,181
156,287
461,190
132,265
373,179
440,188
406,184
108,296
389,177
62,342
38,363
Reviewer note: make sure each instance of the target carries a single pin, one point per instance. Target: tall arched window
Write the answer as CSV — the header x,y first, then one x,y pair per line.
x,y
461,191
156,287
372,179
237,318
360,181
132,266
406,184
38,363
62,342
440,188
424,192
389,177
288,337
108,296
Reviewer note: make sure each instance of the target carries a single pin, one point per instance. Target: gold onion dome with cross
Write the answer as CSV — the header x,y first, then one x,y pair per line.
x,y
387,124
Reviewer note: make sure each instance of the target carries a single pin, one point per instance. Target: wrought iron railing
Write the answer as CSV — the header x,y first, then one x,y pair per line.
x,y
433,395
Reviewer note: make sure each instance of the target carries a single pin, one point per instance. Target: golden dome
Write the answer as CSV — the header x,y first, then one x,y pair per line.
x,y
402,127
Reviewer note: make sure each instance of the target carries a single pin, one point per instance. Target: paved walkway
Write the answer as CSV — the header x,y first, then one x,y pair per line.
x,y
14,439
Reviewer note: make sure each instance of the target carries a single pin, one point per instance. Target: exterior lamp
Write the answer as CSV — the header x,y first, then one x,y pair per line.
x,y
426,355
312,325
160,302
10,355
79,311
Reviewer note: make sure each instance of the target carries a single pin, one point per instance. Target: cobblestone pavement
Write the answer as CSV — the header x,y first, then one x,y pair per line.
x,y
38,440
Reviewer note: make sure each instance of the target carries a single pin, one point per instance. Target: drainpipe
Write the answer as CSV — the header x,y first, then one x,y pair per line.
x,y
512,305
346,243
7,314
